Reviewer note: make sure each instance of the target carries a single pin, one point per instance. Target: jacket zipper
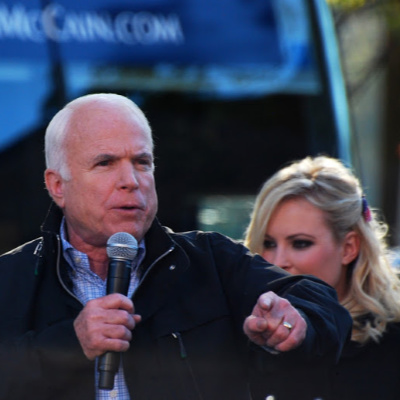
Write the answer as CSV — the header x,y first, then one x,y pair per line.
x,y
182,349
152,265
59,273
183,354
38,253
73,295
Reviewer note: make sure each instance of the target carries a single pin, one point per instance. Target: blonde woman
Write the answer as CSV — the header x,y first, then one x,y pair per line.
x,y
311,218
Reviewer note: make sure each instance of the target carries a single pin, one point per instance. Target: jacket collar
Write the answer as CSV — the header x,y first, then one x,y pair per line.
x,y
162,268
157,235
53,219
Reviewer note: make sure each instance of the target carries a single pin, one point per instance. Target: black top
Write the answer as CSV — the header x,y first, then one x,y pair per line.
x,y
368,372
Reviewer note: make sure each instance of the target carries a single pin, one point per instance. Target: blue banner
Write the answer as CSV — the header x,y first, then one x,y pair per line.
x,y
222,48
181,32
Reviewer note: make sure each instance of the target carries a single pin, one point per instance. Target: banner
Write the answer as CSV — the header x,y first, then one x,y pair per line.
x,y
219,48
181,32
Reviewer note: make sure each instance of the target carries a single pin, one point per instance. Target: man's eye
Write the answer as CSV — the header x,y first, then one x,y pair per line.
x,y
269,244
302,244
145,163
104,163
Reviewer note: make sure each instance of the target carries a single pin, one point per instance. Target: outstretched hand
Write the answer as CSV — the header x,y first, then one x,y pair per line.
x,y
275,323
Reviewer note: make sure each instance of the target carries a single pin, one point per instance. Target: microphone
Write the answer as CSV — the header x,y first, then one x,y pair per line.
x,y
121,250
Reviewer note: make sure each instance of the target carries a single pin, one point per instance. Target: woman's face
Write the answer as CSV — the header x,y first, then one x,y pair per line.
x,y
299,240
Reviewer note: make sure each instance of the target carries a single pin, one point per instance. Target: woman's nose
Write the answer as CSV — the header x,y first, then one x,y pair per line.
x,y
280,257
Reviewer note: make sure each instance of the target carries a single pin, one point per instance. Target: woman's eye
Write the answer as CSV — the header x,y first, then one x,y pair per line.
x,y
269,244
302,244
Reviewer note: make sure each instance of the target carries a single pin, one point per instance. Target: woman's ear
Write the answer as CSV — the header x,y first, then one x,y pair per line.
x,y
351,247
55,186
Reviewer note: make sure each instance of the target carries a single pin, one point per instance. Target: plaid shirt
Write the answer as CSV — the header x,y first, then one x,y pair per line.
x,y
87,286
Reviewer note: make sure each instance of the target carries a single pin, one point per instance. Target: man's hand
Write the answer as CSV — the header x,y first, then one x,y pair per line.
x,y
105,324
275,323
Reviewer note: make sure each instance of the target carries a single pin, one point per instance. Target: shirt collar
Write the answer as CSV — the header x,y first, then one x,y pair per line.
x,y
70,252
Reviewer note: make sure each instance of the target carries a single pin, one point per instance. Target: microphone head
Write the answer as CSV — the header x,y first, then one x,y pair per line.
x,y
122,245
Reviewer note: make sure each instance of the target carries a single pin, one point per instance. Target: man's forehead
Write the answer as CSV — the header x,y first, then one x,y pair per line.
x,y
100,124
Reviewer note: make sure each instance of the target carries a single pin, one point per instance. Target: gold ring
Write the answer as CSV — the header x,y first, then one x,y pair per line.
x,y
287,325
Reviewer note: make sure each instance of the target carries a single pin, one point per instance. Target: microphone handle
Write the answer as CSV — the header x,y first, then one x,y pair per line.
x,y
119,274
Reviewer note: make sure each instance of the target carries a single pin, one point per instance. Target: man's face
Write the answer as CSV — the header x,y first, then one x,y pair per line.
x,y
112,187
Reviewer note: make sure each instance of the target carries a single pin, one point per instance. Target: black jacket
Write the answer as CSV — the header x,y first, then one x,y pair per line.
x,y
195,291
364,372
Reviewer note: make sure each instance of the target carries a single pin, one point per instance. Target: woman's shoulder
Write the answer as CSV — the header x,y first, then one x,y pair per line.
x,y
370,371
392,331
390,339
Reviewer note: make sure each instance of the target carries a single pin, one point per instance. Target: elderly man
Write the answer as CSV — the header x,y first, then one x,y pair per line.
x,y
196,305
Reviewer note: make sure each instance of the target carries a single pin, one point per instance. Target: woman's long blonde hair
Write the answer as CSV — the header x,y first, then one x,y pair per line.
x,y
373,299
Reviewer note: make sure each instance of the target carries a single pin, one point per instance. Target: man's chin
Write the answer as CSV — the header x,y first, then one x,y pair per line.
x,y
131,228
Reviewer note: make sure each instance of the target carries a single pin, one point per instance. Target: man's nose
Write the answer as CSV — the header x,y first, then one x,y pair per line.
x,y
128,177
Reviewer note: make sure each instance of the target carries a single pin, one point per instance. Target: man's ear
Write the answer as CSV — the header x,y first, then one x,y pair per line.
x,y
55,186
351,247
